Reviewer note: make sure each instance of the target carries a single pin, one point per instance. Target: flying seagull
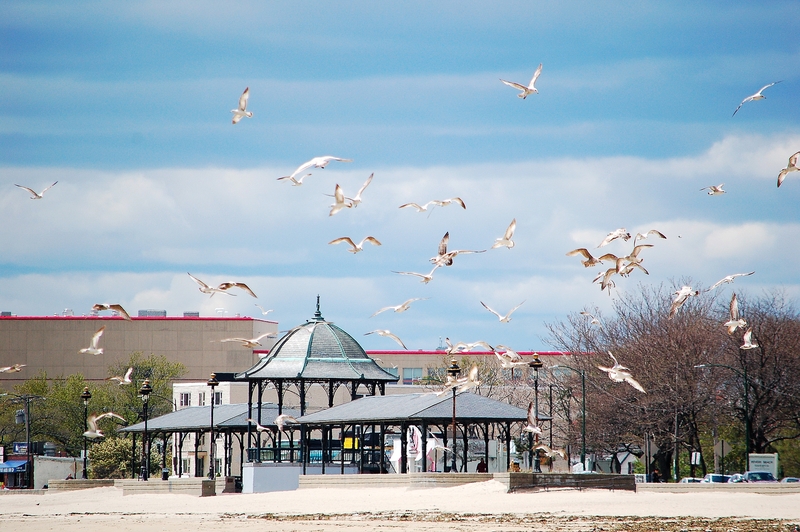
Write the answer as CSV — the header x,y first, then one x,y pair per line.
x,y
34,194
420,208
551,453
642,236
680,298
388,334
93,432
357,198
756,96
462,384
339,202
295,182
533,423
619,373
242,111
508,358
714,190
426,278
284,419
125,379
221,288
590,260
505,240
444,257
264,312
735,321
747,340
251,342
592,320
16,368
503,319
402,307
99,307
316,162
435,203
791,167
355,248
729,279
259,426
615,234
93,349
530,89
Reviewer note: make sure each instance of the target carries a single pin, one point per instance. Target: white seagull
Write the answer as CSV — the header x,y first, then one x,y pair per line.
x,y
756,96
251,342
642,236
735,321
714,190
503,319
791,167
505,240
729,279
444,257
530,89
355,248
339,202
619,373
99,307
295,182
508,358
615,234
471,380
426,278
533,423
387,333
92,431
551,453
590,260
355,200
284,419
402,307
264,312
317,162
93,349
125,379
592,320
259,426
680,298
747,340
34,194
16,368
221,288
242,111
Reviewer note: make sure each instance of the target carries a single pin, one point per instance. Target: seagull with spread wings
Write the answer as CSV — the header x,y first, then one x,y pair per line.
x,y
92,431
619,373
615,234
221,288
295,182
530,89
356,200
251,342
714,190
503,319
93,348
532,423
284,419
387,333
444,257
259,426
402,307
505,240
34,194
790,167
729,279
747,340
124,379
15,368
681,295
642,236
355,248
551,453
339,202
99,307
241,111
735,321
754,97
590,260
316,162
264,312
425,278
592,319
508,357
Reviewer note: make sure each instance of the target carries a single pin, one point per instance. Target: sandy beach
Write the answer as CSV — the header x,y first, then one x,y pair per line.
x,y
480,507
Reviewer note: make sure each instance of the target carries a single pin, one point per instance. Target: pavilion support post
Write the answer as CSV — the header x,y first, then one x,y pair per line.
x,y
383,447
424,447
464,454
445,442
331,392
241,454
197,469
258,434
382,388
250,385
303,446
302,398
164,441
341,452
508,446
279,388
134,469
291,445
403,448
322,444
486,444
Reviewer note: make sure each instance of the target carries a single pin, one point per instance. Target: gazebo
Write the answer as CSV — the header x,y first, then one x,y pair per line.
x,y
316,352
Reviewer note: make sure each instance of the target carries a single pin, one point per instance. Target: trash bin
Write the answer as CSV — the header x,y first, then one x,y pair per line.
x,y
165,474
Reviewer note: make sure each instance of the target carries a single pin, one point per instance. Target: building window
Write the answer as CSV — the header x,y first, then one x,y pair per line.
x,y
186,469
218,466
437,375
186,399
217,398
412,375
392,371
201,399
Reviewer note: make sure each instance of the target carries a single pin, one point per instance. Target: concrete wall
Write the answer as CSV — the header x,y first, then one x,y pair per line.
x,y
47,467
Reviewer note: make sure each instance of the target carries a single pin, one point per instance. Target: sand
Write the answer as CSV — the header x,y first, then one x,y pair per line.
x,y
482,506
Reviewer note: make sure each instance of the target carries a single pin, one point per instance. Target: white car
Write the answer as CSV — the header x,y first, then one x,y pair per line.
x,y
715,477
691,480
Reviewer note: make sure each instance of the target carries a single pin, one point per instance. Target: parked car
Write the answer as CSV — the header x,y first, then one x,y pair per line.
x,y
759,476
791,479
715,477
691,480
736,477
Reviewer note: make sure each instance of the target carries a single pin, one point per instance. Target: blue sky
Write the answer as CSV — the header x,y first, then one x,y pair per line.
x,y
127,106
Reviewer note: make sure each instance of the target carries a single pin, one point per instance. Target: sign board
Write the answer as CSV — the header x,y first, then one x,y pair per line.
x,y
20,447
722,448
764,462
695,458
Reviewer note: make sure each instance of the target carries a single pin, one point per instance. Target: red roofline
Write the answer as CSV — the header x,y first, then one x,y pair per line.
x,y
139,318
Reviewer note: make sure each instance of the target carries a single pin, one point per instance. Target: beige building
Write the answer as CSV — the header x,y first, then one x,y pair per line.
x,y
52,344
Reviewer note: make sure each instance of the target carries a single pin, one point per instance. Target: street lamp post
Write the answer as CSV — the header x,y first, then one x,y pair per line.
x,y
536,365
85,396
212,382
26,398
453,372
582,373
747,427
145,392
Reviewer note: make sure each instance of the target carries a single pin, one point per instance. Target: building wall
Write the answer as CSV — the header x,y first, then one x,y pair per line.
x,y
52,344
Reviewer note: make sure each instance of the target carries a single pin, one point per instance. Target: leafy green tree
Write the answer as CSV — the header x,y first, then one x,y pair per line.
x,y
111,458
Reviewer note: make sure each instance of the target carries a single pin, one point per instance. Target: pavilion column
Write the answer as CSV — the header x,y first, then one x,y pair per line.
x,y
403,448
197,468
383,448
279,388
464,438
424,447
133,455
250,385
486,444
341,448
302,387
303,446
260,403
163,452
508,446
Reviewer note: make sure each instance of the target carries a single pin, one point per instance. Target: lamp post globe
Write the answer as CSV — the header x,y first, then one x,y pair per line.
x,y
536,365
145,392
212,383
453,371
85,396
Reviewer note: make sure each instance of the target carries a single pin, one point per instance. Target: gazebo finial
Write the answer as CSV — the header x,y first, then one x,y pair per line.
x,y
318,314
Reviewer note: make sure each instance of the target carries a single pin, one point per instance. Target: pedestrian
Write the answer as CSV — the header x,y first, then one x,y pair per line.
x,y
655,476
482,468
